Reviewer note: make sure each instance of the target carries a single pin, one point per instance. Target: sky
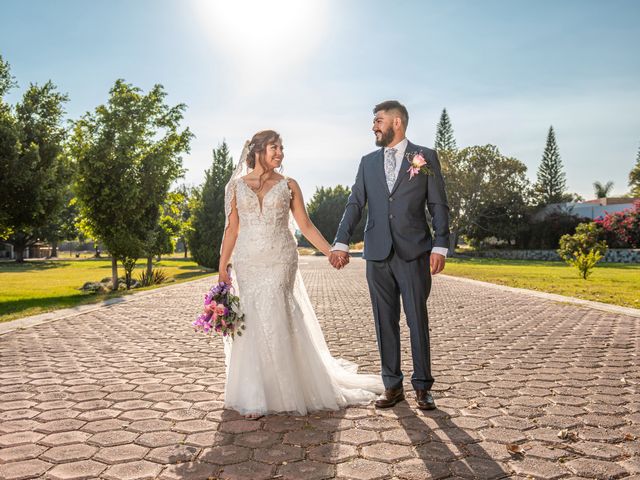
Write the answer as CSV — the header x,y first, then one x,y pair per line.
x,y
505,70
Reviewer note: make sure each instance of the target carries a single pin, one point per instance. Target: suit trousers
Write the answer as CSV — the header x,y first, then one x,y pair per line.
x,y
389,280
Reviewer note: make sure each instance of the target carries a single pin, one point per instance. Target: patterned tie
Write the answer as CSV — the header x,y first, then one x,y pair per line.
x,y
390,166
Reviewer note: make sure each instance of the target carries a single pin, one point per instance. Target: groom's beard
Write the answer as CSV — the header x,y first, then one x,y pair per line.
x,y
386,138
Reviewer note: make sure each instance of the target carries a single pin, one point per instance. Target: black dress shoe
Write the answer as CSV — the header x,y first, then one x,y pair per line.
x,y
390,397
425,400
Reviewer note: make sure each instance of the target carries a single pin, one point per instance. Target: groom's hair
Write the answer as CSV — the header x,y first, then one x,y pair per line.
x,y
390,105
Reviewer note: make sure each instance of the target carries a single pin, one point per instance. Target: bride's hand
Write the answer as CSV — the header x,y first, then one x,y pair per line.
x,y
223,276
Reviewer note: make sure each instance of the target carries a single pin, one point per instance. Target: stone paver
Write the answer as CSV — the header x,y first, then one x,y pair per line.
x,y
527,388
33,468
83,470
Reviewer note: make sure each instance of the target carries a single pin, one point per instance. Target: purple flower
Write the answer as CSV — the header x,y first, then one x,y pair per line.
x,y
217,315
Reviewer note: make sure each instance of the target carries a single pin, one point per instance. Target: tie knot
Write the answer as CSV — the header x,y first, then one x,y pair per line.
x,y
391,152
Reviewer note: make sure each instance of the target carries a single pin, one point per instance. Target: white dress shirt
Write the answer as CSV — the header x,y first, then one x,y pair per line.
x,y
401,148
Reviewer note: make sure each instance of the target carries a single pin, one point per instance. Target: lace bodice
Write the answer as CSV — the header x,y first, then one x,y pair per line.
x,y
264,229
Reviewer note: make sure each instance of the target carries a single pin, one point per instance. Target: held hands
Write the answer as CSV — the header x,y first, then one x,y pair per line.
x,y
436,262
338,259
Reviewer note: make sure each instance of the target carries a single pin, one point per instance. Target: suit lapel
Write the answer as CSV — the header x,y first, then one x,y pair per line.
x,y
379,163
404,165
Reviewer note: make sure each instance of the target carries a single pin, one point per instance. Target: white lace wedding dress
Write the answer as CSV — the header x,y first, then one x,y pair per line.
x,y
281,362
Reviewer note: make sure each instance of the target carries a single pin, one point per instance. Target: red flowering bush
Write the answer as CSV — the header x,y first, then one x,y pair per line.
x,y
622,229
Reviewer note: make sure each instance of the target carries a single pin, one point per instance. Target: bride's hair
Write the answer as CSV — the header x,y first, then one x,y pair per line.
x,y
258,147
259,144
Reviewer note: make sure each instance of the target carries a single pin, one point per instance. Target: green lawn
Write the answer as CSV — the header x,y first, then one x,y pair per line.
x,y
43,285
614,283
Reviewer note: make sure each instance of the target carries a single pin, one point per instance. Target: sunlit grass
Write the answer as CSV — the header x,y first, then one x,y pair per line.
x,y
614,283
40,286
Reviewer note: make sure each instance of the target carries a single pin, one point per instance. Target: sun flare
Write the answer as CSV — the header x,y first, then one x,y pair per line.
x,y
263,36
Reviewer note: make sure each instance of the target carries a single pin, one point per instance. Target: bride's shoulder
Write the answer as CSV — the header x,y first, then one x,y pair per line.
x,y
294,188
291,182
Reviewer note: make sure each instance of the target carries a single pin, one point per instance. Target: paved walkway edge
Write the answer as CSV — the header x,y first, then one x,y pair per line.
x,y
32,321
607,307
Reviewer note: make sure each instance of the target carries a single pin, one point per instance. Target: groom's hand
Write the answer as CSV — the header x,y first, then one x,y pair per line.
x,y
338,259
436,262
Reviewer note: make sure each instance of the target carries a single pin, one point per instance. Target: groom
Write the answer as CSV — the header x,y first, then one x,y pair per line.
x,y
400,252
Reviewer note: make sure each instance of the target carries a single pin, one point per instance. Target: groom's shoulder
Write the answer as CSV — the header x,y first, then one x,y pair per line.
x,y
423,149
370,155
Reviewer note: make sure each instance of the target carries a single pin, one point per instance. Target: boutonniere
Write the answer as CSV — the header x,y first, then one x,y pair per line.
x,y
417,165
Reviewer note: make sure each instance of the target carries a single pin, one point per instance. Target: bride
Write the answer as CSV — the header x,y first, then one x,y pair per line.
x,y
281,362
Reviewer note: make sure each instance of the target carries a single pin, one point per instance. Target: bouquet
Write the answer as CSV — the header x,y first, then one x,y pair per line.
x,y
222,313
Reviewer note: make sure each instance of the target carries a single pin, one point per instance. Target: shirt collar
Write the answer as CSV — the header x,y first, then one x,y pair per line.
x,y
400,147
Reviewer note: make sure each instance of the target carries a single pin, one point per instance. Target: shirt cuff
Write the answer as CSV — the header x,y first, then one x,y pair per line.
x,y
340,246
440,251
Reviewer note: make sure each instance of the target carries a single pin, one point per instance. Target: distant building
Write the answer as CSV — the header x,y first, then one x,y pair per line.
x,y
591,209
39,250
6,250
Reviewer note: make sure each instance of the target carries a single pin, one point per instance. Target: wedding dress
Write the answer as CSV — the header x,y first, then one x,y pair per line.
x,y
281,363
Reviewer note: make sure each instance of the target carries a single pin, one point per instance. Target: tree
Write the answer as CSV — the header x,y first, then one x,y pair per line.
x,y
128,153
85,232
551,182
7,81
168,228
602,190
62,226
488,194
180,204
545,233
208,216
33,168
634,177
325,211
444,134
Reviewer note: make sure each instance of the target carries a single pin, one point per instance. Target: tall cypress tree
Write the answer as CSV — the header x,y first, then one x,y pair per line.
x,y
634,177
551,183
444,136
208,218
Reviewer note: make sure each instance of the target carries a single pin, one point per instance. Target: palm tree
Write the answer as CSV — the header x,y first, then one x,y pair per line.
x,y
601,190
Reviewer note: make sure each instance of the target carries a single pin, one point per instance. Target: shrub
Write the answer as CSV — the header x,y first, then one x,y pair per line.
x,y
157,276
622,229
585,263
583,249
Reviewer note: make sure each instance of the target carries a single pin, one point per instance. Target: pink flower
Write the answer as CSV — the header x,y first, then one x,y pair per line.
x,y
417,164
220,309
418,161
215,309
